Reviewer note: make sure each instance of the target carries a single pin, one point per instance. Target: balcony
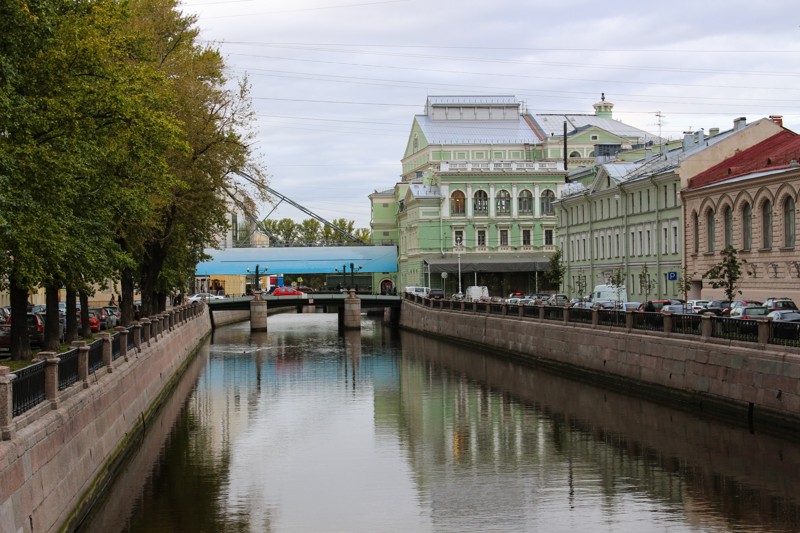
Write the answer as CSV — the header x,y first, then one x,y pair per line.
x,y
500,166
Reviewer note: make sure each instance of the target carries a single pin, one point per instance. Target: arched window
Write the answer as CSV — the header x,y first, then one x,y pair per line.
x,y
574,154
546,202
747,226
711,227
415,146
502,203
525,203
457,203
766,224
480,203
728,221
788,222
696,232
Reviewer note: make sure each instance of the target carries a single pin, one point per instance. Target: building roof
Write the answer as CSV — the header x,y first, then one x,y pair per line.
x,y
774,153
502,100
476,131
301,260
553,125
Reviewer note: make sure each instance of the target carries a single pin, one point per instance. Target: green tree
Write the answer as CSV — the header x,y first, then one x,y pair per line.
x,y
554,275
647,283
726,274
310,232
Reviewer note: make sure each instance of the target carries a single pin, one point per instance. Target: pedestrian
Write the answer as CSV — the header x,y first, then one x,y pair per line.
x,y
111,301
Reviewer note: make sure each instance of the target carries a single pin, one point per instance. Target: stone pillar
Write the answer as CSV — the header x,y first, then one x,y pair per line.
x,y
145,331
172,320
520,311
137,336
6,403
352,311
541,311
258,313
50,377
764,325
106,338
667,322
123,341
595,316
706,323
504,311
83,362
629,320
566,314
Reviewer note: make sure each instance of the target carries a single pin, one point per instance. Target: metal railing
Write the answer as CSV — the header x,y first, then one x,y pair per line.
x,y
67,368
131,340
116,351
28,388
95,355
738,329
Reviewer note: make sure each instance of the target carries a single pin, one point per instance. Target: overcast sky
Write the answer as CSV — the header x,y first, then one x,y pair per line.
x,y
336,83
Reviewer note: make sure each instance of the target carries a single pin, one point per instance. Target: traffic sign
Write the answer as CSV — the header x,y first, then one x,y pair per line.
x,y
672,276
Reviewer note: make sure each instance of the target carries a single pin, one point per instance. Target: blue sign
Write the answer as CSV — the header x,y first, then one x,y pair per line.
x,y
672,276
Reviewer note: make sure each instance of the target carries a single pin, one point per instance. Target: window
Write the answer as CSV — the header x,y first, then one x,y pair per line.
x,y
596,248
695,233
526,237
711,231
788,222
548,237
480,203
525,203
546,200
616,251
457,203
503,237
640,201
458,237
632,251
665,243
728,222
574,154
766,224
601,209
648,199
503,203
674,239
641,242
481,237
747,227
602,247
416,143
648,243
665,196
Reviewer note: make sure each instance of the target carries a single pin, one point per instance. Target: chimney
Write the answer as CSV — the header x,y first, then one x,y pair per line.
x,y
648,153
713,132
777,119
688,140
739,123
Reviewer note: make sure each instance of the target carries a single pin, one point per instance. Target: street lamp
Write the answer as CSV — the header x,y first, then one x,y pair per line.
x,y
257,281
458,252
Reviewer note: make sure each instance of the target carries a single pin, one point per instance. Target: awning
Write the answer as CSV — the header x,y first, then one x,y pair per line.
x,y
531,263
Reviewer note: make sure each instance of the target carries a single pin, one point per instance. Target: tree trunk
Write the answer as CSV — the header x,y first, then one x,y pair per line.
x,y
86,331
126,299
72,316
52,320
20,342
151,268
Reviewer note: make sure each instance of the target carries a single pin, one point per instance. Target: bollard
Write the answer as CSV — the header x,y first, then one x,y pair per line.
x,y
146,331
137,336
706,324
566,314
595,316
629,320
764,325
541,311
668,318
123,341
6,403
50,377
83,362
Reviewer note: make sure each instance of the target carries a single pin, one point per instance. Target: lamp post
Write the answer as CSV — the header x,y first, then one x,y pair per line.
x,y
257,280
458,252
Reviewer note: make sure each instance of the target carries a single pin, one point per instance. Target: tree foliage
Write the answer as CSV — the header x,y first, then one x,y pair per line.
x,y
554,274
726,274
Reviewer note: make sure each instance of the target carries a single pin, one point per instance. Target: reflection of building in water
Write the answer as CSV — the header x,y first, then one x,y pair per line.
x,y
476,424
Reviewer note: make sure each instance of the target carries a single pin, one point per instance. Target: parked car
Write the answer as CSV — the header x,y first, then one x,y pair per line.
x,y
678,309
94,322
103,316
633,306
557,299
112,320
287,291
657,305
749,312
436,294
718,307
203,295
740,303
697,306
780,304
5,337
784,316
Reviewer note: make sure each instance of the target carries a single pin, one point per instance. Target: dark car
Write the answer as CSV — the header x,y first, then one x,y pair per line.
x,y
718,307
103,316
436,294
5,337
780,304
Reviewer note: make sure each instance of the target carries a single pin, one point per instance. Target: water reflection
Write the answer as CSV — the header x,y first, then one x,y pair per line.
x,y
305,429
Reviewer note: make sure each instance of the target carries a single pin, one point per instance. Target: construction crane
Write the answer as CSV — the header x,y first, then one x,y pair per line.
x,y
283,198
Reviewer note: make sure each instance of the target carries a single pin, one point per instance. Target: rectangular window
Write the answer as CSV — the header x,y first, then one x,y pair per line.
x,y
596,248
648,199
632,250
548,237
674,194
601,209
641,242
664,245
526,237
503,237
458,237
481,237
640,201
674,239
665,196
617,249
648,243
602,247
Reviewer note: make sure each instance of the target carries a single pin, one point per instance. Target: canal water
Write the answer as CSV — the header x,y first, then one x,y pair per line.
x,y
303,430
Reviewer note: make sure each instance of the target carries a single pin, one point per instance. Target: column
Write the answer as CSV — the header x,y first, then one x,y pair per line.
x,y
258,313
123,341
50,377
6,403
106,338
352,311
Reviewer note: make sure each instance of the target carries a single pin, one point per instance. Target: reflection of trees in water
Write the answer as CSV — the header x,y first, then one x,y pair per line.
x,y
633,445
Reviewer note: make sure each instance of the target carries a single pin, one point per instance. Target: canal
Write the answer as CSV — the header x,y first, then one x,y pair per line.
x,y
304,430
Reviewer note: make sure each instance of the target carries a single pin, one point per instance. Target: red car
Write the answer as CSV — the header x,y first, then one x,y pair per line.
x,y
287,291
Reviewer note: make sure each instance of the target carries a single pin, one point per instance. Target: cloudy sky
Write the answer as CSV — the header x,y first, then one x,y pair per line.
x,y
336,83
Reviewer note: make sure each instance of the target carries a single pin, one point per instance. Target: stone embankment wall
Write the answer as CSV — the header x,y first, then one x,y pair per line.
x,y
61,454
753,384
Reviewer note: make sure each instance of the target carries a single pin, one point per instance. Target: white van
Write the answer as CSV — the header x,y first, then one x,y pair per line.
x,y
609,293
424,292
476,293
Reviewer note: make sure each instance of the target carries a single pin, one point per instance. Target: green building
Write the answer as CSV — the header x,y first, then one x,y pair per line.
x,y
475,204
